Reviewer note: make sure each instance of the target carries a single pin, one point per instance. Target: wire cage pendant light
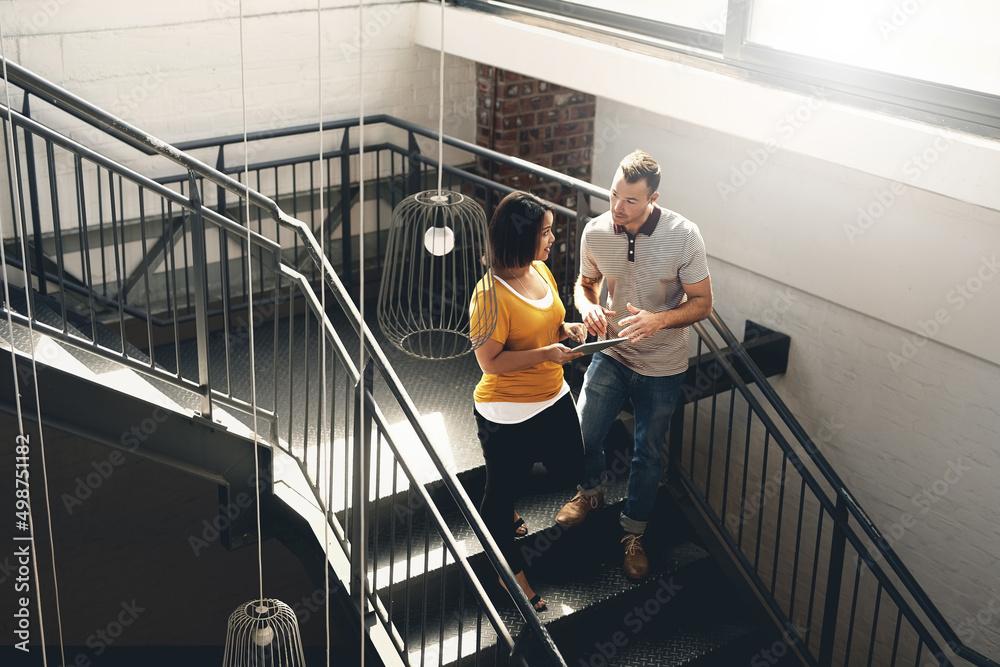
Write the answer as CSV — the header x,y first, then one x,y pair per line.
x,y
436,254
263,632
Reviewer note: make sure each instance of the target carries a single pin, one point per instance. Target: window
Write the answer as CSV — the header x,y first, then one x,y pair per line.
x,y
952,43
932,61
708,15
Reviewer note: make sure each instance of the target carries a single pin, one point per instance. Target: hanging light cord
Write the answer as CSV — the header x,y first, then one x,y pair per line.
x,y
253,381
17,222
325,442
361,482
441,105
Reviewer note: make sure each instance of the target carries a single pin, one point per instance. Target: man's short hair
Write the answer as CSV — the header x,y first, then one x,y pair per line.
x,y
639,165
514,227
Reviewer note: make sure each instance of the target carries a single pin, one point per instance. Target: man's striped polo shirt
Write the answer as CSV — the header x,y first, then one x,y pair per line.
x,y
646,270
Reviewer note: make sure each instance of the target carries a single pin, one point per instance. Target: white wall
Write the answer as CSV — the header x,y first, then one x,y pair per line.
x,y
176,69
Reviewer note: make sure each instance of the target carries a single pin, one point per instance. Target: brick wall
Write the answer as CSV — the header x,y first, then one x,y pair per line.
x,y
541,122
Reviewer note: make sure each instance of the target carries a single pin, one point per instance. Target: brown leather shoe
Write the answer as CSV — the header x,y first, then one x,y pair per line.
x,y
575,511
636,563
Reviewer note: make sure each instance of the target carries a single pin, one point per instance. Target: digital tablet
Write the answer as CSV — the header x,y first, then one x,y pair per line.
x,y
590,348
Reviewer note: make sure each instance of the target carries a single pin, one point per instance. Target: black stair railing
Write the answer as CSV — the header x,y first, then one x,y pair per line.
x,y
306,391
799,537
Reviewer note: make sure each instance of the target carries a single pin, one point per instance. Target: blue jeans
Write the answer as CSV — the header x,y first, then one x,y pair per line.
x,y
606,386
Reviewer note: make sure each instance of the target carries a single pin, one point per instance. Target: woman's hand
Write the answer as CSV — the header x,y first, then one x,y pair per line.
x,y
575,330
560,354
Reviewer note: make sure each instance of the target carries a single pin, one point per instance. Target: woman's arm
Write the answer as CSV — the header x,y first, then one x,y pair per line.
x,y
494,359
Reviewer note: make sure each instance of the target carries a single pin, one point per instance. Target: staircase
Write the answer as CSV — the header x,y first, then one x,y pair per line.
x,y
686,612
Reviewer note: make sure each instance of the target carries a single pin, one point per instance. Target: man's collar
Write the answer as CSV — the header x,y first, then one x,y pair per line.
x,y
648,226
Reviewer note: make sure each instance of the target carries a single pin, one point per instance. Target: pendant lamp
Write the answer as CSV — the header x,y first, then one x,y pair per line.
x,y
263,632
436,253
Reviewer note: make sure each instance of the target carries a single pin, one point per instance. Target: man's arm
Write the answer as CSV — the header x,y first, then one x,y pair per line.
x,y
696,307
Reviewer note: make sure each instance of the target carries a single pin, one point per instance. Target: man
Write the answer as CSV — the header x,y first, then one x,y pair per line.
x,y
658,284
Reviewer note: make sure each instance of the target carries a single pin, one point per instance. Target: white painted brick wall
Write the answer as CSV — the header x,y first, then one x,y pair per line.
x,y
905,422
177,72
918,447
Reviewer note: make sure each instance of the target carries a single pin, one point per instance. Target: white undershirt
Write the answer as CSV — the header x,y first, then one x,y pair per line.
x,y
544,302
508,412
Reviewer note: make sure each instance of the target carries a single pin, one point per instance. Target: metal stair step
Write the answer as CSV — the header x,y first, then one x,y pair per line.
x,y
577,570
49,312
403,522
674,644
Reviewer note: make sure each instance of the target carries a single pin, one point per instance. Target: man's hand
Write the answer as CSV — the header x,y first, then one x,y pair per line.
x,y
595,317
640,324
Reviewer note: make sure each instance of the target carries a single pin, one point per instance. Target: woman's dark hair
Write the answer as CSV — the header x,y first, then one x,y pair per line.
x,y
513,230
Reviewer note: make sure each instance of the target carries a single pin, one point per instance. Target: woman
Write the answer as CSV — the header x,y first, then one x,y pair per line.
x,y
523,407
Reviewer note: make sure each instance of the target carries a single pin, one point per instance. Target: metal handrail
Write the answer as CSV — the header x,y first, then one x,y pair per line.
x,y
500,158
130,134
79,149
833,509
374,414
150,144
843,494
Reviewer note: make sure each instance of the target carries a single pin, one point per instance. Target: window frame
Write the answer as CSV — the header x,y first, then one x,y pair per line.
x,y
567,16
925,101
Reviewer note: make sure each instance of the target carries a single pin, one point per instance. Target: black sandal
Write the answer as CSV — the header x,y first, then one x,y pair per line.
x,y
534,600
520,528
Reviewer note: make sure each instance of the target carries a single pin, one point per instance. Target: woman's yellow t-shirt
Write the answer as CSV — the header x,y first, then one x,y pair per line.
x,y
522,326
